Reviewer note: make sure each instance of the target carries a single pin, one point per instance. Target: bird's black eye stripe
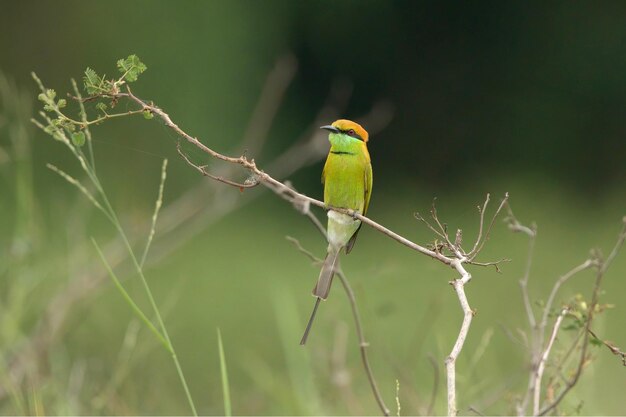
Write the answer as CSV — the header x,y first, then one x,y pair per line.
x,y
352,133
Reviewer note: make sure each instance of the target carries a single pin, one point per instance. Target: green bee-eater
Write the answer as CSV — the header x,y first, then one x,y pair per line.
x,y
347,179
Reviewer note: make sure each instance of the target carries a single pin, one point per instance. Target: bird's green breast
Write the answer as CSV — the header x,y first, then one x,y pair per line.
x,y
345,173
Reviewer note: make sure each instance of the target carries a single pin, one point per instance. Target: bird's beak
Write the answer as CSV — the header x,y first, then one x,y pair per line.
x,y
330,128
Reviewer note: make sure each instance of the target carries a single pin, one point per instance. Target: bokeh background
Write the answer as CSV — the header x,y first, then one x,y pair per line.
x,y
461,99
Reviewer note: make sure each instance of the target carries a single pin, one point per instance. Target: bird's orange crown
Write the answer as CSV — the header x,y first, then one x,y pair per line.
x,y
346,125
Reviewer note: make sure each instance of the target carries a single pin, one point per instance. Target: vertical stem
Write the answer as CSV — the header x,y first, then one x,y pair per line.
x,y
362,343
468,314
542,362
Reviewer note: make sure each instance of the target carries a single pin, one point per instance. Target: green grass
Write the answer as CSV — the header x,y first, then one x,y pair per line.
x,y
228,409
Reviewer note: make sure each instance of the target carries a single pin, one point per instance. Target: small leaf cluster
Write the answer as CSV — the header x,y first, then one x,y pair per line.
x,y
52,105
579,310
129,68
48,97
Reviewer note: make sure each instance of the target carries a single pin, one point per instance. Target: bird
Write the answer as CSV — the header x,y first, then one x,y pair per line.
x,y
347,179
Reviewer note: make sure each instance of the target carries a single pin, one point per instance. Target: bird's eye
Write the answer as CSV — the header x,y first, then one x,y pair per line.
x,y
351,132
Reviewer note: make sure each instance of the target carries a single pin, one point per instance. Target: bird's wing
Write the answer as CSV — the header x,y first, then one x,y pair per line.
x,y
369,179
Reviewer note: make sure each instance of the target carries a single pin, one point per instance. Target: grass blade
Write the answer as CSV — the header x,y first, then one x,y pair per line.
x,y
224,372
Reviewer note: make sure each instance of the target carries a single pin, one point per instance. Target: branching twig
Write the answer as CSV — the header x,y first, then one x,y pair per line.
x,y
480,227
475,252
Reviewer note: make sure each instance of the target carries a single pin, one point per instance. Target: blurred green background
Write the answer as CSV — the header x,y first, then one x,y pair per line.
x,y
462,99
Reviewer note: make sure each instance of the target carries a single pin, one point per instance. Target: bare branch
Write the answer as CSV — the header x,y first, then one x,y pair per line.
x,y
421,218
203,171
544,358
306,252
562,280
468,314
515,226
362,342
482,221
496,264
475,252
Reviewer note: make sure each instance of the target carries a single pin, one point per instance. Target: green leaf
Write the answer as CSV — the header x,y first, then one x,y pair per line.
x,y
61,103
147,114
93,82
78,139
102,107
571,326
595,342
130,68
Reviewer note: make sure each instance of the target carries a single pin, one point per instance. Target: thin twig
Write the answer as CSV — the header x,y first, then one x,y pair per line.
x,y
544,358
474,253
531,231
557,285
482,221
362,343
203,171
611,347
421,218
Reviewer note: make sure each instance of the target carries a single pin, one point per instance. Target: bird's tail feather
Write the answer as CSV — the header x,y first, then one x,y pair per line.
x,y
322,288
308,325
